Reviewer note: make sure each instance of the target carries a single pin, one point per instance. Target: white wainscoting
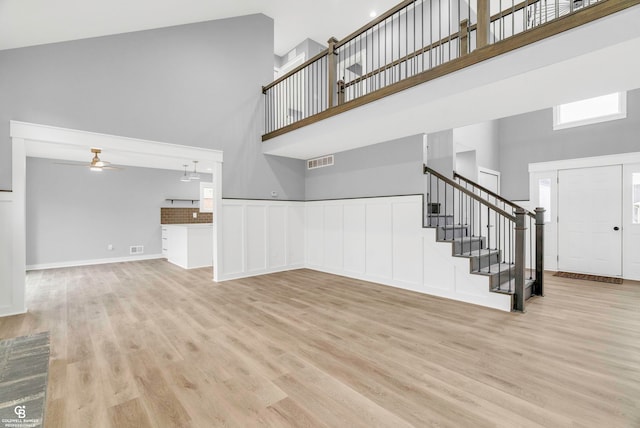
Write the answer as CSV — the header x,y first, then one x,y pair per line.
x,y
382,240
374,239
6,241
11,290
261,237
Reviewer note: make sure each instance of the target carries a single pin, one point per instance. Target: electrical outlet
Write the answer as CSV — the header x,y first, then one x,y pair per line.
x,y
195,215
274,194
110,247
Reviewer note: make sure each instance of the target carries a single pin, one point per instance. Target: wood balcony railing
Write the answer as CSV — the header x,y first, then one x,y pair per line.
x,y
412,43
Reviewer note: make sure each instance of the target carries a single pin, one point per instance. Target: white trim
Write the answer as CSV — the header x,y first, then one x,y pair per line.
x,y
76,263
621,114
12,313
63,143
240,275
617,159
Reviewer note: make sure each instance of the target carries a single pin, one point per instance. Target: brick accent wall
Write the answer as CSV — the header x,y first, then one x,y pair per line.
x,y
183,215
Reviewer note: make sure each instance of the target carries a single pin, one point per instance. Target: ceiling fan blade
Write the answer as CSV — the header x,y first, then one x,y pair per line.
x,y
73,164
86,165
95,164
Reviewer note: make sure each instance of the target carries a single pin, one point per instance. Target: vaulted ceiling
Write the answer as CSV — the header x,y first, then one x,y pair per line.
x,y
35,22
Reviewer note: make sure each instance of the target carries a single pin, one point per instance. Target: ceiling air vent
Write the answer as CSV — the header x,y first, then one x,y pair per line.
x,y
320,162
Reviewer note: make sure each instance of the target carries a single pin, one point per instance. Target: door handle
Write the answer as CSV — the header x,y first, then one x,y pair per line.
x,y
616,228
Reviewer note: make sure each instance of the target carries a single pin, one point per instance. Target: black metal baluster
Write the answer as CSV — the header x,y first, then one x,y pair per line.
x,y
489,238
438,198
445,211
453,220
510,253
499,249
530,248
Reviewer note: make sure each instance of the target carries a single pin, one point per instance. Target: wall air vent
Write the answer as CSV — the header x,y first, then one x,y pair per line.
x,y
136,249
320,162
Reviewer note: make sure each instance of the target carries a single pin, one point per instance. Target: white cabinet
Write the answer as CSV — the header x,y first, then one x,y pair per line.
x,y
165,241
189,245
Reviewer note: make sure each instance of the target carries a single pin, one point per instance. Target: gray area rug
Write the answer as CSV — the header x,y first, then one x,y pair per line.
x,y
24,367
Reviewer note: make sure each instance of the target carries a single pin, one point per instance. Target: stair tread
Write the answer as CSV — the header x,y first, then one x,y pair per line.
x,y
496,268
463,239
477,253
504,287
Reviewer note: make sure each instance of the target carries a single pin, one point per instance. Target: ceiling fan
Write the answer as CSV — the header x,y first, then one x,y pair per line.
x,y
96,164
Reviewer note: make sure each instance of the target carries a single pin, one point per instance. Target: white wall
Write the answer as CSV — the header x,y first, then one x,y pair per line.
x,y
260,237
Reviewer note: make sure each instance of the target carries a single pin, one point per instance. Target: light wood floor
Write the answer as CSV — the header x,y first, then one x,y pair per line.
x,y
149,344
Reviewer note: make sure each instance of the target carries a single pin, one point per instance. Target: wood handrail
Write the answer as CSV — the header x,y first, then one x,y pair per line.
x,y
290,73
493,194
373,23
470,194
405,58
556,26
383,17
515,8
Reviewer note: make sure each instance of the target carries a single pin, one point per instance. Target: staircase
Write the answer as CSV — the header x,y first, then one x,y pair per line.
x,y
494,234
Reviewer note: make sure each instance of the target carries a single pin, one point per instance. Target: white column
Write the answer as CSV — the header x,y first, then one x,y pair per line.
x,y
217,221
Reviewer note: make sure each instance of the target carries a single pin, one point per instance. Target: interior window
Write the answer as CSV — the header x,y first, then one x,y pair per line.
x,y
592,110
544,197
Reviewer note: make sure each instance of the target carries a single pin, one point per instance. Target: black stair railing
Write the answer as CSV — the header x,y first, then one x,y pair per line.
x,y
496,234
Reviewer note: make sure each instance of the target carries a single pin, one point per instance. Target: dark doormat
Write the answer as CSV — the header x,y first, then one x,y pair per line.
x,y
607,279
24,367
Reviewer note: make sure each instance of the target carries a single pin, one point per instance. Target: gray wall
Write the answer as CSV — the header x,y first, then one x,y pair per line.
x,y
391,168
530,138
73,213
197,84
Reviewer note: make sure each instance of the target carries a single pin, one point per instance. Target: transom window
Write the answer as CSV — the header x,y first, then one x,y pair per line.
x,y
592,110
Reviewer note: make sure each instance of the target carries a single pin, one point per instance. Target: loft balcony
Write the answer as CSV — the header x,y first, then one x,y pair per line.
x,y
430,65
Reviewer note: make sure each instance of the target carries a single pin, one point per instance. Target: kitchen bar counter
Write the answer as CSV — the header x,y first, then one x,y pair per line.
x,y
188,245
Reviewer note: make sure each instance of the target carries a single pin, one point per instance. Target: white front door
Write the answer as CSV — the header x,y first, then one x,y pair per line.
x,y
631,225
590,220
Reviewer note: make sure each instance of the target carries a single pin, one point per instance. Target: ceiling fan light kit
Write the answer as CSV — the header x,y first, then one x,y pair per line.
x,y
96,164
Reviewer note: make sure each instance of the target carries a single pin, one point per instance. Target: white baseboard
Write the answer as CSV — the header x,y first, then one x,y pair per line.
x,y
94,262
9,311
187,268
240,275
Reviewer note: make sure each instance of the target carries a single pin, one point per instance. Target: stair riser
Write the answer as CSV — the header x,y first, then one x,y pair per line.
x,y
496,279
450,234
482,261
463,247
432,221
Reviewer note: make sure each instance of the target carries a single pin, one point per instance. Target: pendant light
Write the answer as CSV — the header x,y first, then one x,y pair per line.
x,y
185,178
194,175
